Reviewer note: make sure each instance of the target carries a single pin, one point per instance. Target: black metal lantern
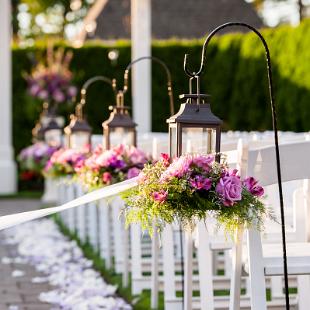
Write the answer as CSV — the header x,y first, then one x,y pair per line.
x,y
78,132
119,128
53,133
194,129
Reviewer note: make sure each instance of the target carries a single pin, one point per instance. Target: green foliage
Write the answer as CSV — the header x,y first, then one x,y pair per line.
x,y
191,189
235,76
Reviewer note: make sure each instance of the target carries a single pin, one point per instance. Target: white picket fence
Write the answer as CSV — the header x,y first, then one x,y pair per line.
x,y
156,264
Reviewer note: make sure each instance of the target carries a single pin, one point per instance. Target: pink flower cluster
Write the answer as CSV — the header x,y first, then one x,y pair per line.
x,y
35,156
65,160
119,163
203,175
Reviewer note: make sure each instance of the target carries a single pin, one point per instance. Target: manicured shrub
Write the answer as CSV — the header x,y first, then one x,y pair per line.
x,y
235,76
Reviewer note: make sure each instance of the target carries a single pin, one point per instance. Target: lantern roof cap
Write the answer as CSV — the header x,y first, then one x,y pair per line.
x,y
52,125
76,125
195,113
119,117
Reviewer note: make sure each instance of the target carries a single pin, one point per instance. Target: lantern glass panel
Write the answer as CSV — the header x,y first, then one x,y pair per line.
x,y
121,135
198,140
79,140
173,140
53,137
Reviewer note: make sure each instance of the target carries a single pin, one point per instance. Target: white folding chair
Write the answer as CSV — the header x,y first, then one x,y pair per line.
x,y
266,259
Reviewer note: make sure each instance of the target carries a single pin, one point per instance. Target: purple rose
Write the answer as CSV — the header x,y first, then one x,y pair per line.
x,y
229,189
133,172
200,182
252,186
160,196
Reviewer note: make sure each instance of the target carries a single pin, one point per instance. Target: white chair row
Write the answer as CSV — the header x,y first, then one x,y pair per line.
x,y
100,223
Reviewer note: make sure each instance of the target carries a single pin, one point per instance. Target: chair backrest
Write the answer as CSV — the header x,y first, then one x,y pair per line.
x,y
294,163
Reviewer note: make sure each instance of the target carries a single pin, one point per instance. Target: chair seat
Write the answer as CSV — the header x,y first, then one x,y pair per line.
x,y
298,259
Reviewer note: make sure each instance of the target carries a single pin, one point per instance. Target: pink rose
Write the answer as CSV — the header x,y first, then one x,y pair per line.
x,y
133,172
137,156
165,158
252,186
160,196
200,182
204,162
107,177
229,188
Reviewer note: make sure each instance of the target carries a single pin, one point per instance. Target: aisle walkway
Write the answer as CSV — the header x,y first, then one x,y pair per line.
x,y
17,290
67,281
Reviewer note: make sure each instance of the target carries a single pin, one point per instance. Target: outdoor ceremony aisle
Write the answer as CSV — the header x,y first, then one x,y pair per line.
x,y
45,270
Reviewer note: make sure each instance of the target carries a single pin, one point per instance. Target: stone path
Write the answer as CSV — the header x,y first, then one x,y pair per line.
x,y
19,293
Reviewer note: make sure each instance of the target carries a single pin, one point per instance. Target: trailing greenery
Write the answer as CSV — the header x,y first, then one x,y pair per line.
x,y
140,302
235,76
192,188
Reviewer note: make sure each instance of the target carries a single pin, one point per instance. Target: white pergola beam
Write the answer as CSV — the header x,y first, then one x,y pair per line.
x,y
141,72
7,164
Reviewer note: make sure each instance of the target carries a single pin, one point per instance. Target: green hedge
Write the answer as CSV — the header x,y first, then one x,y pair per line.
x,y
235,77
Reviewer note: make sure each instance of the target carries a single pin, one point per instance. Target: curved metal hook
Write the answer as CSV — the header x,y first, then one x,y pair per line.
x,y
84,91
208,39
168,73
274,123
91,81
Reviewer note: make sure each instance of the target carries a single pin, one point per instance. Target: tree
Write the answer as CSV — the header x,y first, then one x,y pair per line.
x,y
47,16
301,7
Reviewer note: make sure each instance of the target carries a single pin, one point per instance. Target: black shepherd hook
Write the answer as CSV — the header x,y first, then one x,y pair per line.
x,y
274,123
165,67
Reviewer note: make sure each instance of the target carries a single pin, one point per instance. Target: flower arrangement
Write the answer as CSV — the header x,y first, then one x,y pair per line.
x,y
64,162
191,188
51,81
33,159
111,166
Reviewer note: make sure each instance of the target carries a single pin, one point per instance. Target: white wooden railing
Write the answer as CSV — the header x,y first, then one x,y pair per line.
x,y
155,264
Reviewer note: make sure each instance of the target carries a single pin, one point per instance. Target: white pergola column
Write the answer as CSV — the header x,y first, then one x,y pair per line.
x,y
7,164
141,72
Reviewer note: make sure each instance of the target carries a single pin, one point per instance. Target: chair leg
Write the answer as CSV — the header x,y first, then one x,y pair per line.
x,y
303,285
256,271
235,284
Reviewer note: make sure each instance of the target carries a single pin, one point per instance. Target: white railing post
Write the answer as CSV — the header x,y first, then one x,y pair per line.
x,y
205,265
136,263
81,216
105,233
118,233
188,271
92,228
154,277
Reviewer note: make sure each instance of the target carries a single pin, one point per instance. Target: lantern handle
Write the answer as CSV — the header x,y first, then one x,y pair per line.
x,y
91,81
274,123
165,67
84,91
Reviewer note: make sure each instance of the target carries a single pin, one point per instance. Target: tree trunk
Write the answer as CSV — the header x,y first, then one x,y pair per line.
x,y
300,10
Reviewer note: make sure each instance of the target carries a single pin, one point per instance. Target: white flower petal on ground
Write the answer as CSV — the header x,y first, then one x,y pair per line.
x,y
77,285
